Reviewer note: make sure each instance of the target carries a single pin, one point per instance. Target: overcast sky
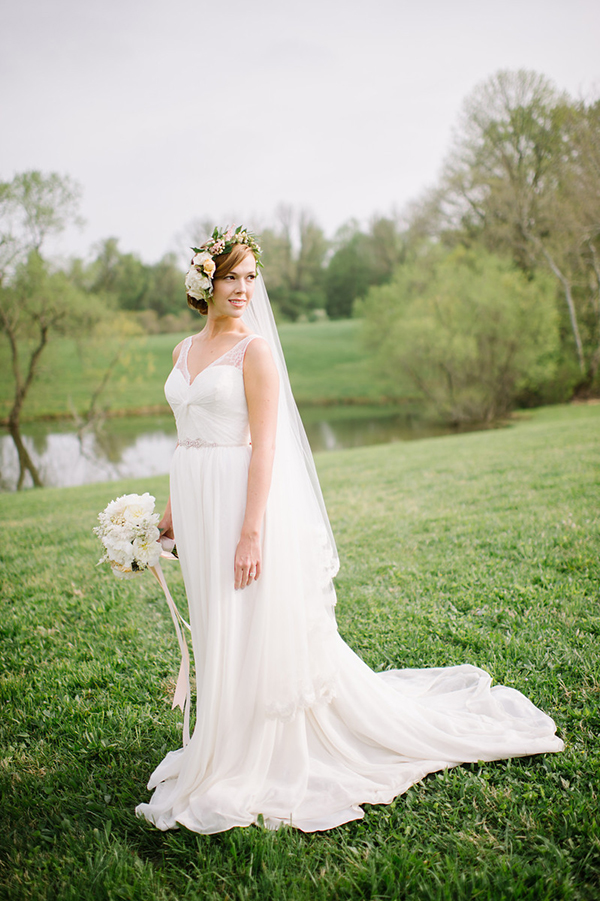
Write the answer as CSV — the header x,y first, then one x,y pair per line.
x,y
170,110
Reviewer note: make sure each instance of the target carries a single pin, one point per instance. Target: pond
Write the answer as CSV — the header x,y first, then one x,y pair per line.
x,y
138,446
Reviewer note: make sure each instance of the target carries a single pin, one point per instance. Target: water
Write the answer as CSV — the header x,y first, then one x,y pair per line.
x,y
143,446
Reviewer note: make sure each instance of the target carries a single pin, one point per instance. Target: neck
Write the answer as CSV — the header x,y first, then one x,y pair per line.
x,y
221,325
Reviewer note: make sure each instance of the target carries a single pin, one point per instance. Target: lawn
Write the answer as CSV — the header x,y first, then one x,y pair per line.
x,y
326,361
481,548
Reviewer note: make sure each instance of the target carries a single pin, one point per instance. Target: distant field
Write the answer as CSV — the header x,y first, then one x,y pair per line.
x,y
326,362
480,548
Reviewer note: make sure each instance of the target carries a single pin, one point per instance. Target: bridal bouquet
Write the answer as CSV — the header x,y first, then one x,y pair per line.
x,y
129,532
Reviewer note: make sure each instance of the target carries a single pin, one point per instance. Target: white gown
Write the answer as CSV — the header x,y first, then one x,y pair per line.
x,y
291,726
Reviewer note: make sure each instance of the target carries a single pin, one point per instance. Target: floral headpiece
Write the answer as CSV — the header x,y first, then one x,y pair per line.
x,y
199,277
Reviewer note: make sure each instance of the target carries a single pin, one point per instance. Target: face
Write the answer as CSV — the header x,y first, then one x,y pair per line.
x,y
233,292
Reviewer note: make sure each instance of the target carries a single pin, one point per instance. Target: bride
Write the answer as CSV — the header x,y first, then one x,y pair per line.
x,y
291,726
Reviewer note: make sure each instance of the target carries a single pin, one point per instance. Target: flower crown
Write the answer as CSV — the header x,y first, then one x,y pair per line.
x,y
199,277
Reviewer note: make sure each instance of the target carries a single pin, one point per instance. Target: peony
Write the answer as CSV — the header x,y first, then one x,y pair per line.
x,y
128,529
137,506
196,284
146,548
119,551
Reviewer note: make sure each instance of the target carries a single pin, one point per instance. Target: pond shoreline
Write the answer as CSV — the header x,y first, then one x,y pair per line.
x,y
129,446
162,409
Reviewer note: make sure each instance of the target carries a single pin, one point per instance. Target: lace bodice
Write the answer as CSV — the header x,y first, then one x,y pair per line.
x,y
211,410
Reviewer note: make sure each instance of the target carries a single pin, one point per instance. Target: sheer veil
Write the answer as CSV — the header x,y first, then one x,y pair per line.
x,y
294,612
259,317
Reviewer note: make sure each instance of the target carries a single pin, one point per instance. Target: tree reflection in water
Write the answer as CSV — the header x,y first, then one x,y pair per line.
x,y
134,447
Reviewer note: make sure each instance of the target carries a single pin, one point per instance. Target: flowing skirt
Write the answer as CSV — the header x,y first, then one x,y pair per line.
x,y
291,726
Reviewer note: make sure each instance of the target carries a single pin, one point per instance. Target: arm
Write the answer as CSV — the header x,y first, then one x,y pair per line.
x,y
166,524
261,383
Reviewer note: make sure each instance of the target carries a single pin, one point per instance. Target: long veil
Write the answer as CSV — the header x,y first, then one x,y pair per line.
x,y
294,616
259,317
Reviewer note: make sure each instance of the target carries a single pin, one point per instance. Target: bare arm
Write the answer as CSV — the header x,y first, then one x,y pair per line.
x,y
261,383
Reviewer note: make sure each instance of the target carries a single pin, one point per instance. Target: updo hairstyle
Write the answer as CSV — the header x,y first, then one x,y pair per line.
x,y
225,263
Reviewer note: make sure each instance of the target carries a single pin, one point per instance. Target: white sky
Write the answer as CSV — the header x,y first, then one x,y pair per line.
x,y
170,110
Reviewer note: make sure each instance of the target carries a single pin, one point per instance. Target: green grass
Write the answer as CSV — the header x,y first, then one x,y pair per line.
x,y
480,548
326,361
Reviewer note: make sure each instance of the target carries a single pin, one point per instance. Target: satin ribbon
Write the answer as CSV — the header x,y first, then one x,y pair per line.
x,y
182,696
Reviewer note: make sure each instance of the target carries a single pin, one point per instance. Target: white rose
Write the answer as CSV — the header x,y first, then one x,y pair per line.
x,y
201,258
196,284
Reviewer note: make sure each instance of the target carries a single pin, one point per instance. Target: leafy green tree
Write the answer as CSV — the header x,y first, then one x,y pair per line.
x,y
361,259
294,259
467,328
121,275
523,177
165,290
36,302
128,284
348,276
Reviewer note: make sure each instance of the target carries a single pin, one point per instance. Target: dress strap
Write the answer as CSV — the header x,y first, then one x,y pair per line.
x,y
183,357
235,356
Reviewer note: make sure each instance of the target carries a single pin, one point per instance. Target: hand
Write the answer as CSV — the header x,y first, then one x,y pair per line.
x,y
247,563
165,526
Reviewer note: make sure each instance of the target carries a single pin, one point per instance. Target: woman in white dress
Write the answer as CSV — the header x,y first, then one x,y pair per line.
x,y
291,726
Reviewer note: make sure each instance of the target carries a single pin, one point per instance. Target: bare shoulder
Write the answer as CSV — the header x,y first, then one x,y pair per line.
x,y
258,360
177,350
258,351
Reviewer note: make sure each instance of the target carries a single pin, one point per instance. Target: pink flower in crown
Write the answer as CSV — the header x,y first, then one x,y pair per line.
x,y
229,233
217,248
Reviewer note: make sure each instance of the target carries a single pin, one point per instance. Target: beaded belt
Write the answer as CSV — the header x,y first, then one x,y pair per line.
x,y
198,442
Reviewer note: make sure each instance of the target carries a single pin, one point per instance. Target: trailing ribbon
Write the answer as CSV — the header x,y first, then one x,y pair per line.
x,y
182,696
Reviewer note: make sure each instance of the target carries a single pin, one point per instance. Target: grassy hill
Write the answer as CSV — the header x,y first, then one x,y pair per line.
x,y
480,548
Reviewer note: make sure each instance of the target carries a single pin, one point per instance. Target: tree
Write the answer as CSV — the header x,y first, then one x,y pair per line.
x,y
294,258
361,259
36,301
122,275
349,275
165,292
467,328
523,177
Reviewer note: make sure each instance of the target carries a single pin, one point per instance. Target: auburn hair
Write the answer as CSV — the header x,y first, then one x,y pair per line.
x,y
225,263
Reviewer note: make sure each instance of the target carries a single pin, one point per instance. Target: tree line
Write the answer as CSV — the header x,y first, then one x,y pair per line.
x,y
483,295
497,302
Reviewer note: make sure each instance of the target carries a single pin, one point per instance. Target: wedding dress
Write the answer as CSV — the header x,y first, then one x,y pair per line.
x,y
291,726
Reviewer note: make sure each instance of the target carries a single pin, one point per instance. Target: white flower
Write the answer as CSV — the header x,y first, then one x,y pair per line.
x,y
147,550
201,258
128,530
196,284
120,552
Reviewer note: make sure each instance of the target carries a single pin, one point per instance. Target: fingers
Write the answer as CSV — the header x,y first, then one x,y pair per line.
x,y
245,574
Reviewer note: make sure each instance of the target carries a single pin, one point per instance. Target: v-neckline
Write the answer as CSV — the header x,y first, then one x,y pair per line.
x,y
190,381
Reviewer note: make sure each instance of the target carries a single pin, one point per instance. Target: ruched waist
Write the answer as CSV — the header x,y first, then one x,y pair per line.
x,y
199,442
